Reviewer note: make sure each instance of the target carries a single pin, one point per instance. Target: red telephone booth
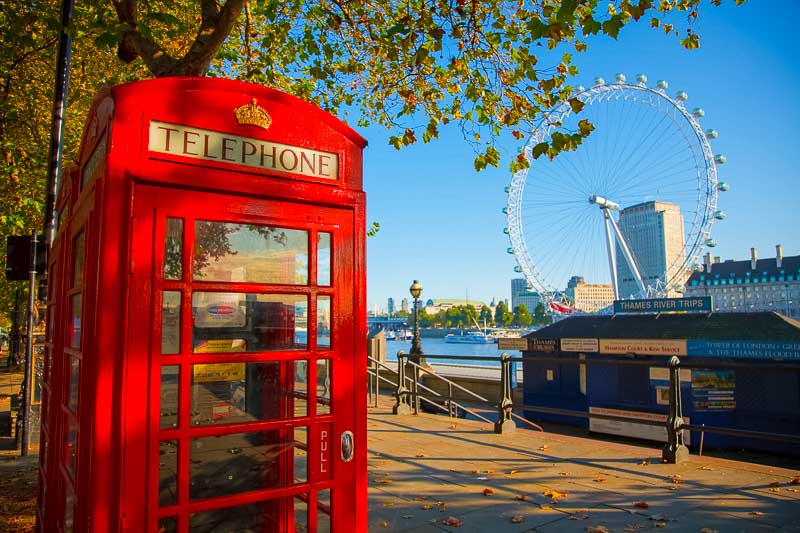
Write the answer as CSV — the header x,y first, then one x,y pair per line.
x,y
206,354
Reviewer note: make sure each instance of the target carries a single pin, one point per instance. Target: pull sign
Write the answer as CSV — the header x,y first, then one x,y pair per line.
x,y
324,444
347,446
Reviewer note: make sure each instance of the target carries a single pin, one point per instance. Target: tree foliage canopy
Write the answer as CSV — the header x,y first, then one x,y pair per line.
x,y
487,67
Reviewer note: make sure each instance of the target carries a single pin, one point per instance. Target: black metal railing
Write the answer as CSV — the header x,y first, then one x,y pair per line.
x,y
408,397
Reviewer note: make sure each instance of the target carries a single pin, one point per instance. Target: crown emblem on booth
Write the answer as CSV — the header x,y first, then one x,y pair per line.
x,y
253,115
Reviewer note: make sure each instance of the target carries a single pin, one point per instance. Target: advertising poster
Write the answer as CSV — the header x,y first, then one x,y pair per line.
x,y
713,390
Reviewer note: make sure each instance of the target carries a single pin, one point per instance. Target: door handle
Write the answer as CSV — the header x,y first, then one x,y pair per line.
x,y
347,446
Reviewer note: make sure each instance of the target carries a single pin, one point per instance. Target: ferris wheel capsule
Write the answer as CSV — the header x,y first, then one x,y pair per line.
x,y
505,210
517,268
720,215
697,268
681,96
662,85
711,243
620,77
698,112
579,89
723,186
720,159
642,79
506,189
599,81
506,231
510,250
711,134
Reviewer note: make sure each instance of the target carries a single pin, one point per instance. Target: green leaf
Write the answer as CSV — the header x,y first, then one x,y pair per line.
x,y
567,10
540,149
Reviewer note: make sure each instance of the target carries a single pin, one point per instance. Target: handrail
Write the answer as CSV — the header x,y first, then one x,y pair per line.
x,y
456,385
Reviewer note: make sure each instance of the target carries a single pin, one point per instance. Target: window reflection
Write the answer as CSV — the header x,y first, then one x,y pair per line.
x,y
167,472
241,462
171,322
173,249
324,386
249,253
77,261
226,393
261,516
75,324
323,322
324,511
169,396
323,259
248,322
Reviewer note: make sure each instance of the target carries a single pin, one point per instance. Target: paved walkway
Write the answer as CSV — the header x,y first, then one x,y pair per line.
x,y
426,470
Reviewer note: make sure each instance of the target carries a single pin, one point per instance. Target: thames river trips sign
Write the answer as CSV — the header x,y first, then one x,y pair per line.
x,y
700,304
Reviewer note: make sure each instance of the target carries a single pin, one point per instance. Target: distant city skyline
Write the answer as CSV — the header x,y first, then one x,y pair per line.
x,y
441,222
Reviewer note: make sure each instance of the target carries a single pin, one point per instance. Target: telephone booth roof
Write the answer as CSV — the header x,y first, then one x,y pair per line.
x,y
223,128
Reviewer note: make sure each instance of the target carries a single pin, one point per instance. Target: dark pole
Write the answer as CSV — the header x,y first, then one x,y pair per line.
x,y
57,125
28,380
416,342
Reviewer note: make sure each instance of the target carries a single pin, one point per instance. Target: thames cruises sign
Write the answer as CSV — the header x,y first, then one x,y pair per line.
x,y
700,304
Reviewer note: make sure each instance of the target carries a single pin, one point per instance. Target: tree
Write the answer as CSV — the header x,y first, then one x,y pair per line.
x,y
522,318
489,68
539,315
502,316
486,316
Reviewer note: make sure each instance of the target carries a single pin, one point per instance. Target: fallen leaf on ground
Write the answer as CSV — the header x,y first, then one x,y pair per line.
x,y
661,524
420,455
705,468
453,426
545,507
599,480
489,471
641,505
775,484
453,521
563,473
520,497
597,529
676,478
544,447
476,471
488,492
383,480
644,462
517,519
427,506
554,494
512,472
795,481
775,489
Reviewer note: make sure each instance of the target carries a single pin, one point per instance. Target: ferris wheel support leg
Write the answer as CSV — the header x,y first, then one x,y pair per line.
x,y
612,258
626,252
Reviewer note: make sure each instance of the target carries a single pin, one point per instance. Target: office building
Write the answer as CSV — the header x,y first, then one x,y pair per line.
x,y
655,235
390,306
771,284
522,294
589,297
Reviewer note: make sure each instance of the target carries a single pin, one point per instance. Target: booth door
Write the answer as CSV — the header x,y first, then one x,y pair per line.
x,y
239,380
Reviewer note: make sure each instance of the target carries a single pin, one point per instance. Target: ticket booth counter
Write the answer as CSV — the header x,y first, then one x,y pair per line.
x,y
206,303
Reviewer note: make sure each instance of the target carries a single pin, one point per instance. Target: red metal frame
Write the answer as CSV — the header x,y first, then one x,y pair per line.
x,y
119,197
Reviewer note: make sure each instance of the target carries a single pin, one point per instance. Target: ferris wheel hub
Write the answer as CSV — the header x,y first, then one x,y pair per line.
x,y
603,203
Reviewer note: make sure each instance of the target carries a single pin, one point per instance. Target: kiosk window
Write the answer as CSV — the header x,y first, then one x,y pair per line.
x,y
222,465
249,253
74,383
75,325
225,393
323,322
77,265
171,322
173,249
226,322
324,259
259,516
324,511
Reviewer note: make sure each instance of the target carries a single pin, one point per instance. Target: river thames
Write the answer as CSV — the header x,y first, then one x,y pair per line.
x,y
432,347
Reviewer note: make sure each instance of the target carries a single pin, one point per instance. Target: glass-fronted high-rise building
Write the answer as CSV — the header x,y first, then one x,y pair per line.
x,y
521,294
655,235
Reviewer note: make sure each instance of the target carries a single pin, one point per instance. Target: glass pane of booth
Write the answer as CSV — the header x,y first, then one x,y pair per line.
x,y
173,249
77,263
226,322
167,472
323,322
74,383
171,322
222,465
324,511
288,514
167,525
75,324
248,253
170,375
324,386
226,393
323,259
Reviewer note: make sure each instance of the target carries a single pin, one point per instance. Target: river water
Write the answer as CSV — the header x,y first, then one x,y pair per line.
x,y
432,347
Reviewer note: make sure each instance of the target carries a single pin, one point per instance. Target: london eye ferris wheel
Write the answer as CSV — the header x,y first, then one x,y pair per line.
x,y
632,207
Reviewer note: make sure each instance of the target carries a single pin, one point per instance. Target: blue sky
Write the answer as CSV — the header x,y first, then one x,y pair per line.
x,y
441,222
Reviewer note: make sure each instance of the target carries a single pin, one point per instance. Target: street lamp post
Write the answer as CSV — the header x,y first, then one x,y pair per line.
x,y
416,344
